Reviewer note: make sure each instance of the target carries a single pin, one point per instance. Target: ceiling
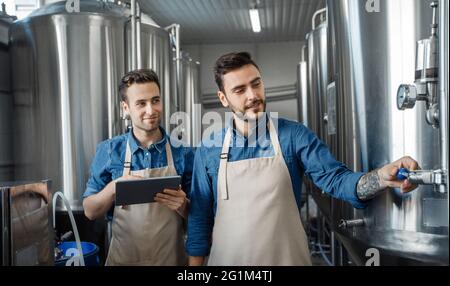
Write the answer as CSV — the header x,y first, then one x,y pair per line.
x,y
228,21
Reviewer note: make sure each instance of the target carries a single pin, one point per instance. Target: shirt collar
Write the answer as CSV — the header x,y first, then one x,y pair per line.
x,y
259,126
159,146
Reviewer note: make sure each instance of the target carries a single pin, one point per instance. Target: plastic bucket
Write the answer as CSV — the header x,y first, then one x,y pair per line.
x,y
69,248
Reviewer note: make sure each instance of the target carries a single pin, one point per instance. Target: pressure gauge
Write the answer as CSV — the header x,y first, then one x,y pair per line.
x,y
406,96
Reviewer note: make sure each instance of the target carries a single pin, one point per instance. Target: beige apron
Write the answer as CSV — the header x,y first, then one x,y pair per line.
x,y
147,234
257,220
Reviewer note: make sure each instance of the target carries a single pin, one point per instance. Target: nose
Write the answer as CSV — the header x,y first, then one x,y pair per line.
x,y
251,94
149,109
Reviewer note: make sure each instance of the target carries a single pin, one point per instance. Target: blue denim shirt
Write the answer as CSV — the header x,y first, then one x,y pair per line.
x,y
110,156
303,152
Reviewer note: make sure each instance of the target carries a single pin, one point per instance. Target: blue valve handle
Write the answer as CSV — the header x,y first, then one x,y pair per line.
x,y
402,174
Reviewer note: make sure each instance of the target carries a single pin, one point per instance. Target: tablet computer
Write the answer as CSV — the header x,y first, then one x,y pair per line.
x,y
130,192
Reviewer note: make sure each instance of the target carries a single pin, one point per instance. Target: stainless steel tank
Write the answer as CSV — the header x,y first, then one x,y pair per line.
x,y
6,101
190,101
317,78
66,70
374,52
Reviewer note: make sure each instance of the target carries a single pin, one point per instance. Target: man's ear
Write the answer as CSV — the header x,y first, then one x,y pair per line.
x,y
222,98
126,109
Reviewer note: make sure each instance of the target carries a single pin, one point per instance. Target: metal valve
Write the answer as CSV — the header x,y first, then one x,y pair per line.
x,y
351,223
422,177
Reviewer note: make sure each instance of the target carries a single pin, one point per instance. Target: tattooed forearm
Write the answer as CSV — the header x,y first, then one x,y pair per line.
x,y
369,186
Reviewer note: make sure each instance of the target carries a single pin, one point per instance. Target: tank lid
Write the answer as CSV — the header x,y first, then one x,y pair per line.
x,y
86,6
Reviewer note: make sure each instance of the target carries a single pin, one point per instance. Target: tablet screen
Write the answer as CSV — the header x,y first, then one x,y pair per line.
x,y
130,192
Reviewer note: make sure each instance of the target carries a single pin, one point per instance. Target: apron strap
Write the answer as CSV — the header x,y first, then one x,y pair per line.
x,y
169,155
274,138
127,162
222,176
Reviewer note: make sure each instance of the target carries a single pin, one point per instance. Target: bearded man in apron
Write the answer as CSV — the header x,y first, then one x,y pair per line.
x,y
246,184
151,233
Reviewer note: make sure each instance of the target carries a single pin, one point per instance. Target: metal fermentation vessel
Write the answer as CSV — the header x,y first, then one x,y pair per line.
x,y
66,70
374,53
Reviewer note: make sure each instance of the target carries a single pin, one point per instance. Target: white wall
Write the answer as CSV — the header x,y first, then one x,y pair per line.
x,y
277,61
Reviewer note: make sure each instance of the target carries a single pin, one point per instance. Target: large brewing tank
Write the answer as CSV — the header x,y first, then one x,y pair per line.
x,y
155,52
6,102
317,94
190,101
375,53
66,69
317,75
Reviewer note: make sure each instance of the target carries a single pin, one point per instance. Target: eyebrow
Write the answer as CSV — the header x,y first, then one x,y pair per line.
x,y
243,85
143,100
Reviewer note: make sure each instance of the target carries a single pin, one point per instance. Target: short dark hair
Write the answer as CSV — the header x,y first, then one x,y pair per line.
x,y
230,62
137,76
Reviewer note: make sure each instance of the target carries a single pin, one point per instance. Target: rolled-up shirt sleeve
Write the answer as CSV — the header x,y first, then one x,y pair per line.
x,y
201,211
100,176
330,175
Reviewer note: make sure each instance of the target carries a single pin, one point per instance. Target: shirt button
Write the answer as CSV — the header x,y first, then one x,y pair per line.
x,y
146,154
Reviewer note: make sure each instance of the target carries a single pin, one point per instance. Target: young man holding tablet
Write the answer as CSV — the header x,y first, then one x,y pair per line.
x,y
150,233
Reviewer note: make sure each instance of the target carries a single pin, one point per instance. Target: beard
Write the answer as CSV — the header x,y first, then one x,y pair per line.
x,y
242,113
148,128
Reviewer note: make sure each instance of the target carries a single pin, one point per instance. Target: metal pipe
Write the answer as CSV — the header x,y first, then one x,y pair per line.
x,y
110,77
351,223
315,15
333,248
303,55
138,37
133,35
174,30
434,25
443,91
178,65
